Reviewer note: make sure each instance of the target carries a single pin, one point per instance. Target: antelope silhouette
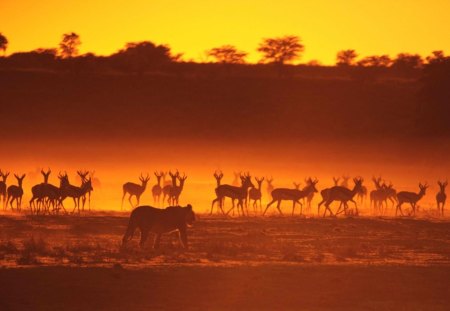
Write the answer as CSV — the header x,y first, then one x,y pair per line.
x,y
168,188
74,192
135,189
3,187
218,175
270,186
15,193
441,197
308,199
176,190
233,192
341,194
325,192
255,194
377,196
157,189
362,195
336,180
41,192
294,195
410,197
83,176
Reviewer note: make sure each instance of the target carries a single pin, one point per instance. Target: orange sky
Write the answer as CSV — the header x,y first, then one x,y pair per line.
x,y
326,26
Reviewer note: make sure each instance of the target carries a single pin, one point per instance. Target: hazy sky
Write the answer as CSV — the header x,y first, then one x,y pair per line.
x,y
325,26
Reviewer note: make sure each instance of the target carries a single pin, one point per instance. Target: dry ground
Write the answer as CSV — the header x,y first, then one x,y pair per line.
x,y
282,263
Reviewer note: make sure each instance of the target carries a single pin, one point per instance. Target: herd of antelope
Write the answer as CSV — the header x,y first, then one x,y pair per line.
x,y
169,189
47,198
243,190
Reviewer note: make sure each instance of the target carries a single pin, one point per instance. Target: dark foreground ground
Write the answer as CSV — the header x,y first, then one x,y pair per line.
x,y
269,287
273,263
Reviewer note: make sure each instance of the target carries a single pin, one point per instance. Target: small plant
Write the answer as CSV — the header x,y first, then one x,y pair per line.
x,y
36,246
8,247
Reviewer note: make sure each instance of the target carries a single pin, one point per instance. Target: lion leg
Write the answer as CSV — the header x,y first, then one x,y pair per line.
x,y
144,236
183,237
156,241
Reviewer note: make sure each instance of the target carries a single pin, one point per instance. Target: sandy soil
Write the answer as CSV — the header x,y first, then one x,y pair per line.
x,y
254,263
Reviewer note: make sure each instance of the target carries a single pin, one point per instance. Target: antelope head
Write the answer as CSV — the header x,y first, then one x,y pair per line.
x,y
144,180
442,185
358,183
218,175
312,183
19,179
423,188
336,180
259,181
297,185
158,175
46,174
377,182
83,175
4,175
246,180
182,179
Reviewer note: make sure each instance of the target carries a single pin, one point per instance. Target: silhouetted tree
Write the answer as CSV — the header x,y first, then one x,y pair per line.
x,y
68,47
407,61
141,56
3,43
434,114
375,61
39,58
227,54
436,57
281,50
346,57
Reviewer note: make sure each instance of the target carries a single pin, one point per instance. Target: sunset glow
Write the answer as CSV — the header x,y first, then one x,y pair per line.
x,y
325,26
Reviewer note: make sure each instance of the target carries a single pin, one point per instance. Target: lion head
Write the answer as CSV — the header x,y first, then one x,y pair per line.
x,y
189,215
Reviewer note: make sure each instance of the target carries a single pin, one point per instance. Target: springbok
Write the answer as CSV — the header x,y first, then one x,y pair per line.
x,y
362,195
175,192
15,193
441,197
3,187
168,188
411,198
218,175
389,194
377,196
74,192
83,176
135,189
336,180
341,194
40,193
256,195
294,195
270,186
157,189
309,199
324,193
233,192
